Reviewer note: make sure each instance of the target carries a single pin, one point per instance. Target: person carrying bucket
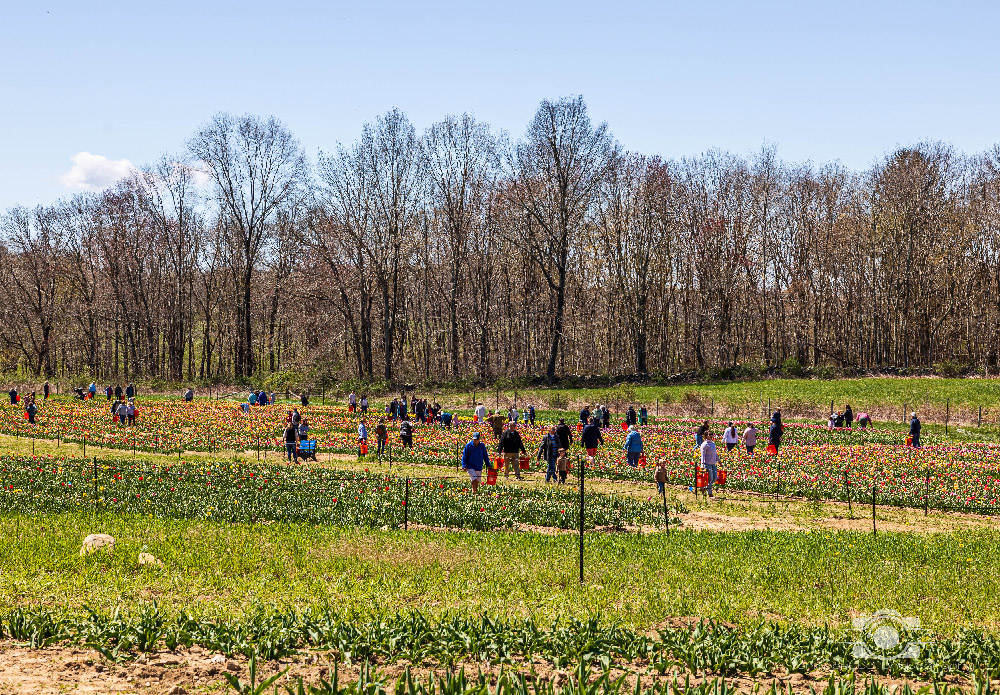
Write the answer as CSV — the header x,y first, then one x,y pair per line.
x,y
474,457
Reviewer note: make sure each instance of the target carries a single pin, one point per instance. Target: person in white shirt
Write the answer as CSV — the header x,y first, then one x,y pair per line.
x,y
730,437
750,438
512,414
710,461
352,400
481,412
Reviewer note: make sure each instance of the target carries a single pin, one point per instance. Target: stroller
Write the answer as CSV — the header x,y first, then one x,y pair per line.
x,y
78,390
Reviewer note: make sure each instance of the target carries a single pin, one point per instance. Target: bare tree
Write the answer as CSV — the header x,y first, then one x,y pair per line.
x,y
256,165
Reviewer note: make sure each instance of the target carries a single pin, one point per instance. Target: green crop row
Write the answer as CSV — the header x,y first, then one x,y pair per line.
x,y
703,649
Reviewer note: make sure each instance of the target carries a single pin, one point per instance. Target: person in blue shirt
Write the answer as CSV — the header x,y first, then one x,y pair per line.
x,y
446,419
549,451
474,458
531,415
633,446
252,398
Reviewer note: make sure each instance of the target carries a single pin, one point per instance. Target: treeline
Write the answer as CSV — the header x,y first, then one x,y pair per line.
x,y
461,253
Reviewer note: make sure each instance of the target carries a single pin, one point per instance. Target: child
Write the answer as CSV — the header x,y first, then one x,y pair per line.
x,y
660,476
562,465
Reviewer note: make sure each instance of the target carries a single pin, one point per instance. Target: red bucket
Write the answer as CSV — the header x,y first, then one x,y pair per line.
x,y
772,449
523,462
491,477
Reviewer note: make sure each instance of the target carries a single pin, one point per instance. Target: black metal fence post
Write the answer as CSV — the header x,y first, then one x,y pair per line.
x,y
581,520
847,486
927,490
406,507
666,515
874,532
95,484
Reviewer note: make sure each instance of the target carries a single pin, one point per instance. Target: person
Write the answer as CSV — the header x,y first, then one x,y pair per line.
x,y
584,415
730,437
109,391
606,412
776,417
660,476
418,410
121,410
562,466
630,416
750,438
352,402
92,389
130,391
496,421
118,391
774,434
548,451
915,430
304,399
252,398
565,434
31,410
402,408
130,412
296,417
364,404
699,437
381,436
45,391
474,457
848,415
510,445
531,415
362,432
598,415
832,422
189,395
710,460
406,433
838,421
643,415
446,419
864,420
512,414
304,429
480,413
591,438
262,398
291,439
633,446
13,395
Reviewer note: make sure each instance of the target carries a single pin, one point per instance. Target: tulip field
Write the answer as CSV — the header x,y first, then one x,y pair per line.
x,y
813,462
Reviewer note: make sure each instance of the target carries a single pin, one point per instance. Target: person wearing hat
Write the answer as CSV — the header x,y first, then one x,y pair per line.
x,y
915,430
474,457
633,446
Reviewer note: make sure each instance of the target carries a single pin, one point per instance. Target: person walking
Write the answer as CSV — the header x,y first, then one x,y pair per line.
x,y
660,476
591,438
291,437
598,414
118,391
406,433
774,434
565,434
496,421
130,412
352,402
631,418
730,437
848,415
531,415
548,451
364,404
562,466
480,413
914,430
606,412
474,457
584,415
109,391
750,438
31,410
362,433
633,446
643,416
13,395
511,445
130,391
92,389
45,391
189,395
512,414
710,460
381,436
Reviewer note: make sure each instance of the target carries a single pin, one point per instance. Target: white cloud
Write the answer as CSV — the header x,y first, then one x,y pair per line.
x,y
94,172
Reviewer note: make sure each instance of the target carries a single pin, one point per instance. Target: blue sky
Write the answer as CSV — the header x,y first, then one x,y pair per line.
x,y
108,81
